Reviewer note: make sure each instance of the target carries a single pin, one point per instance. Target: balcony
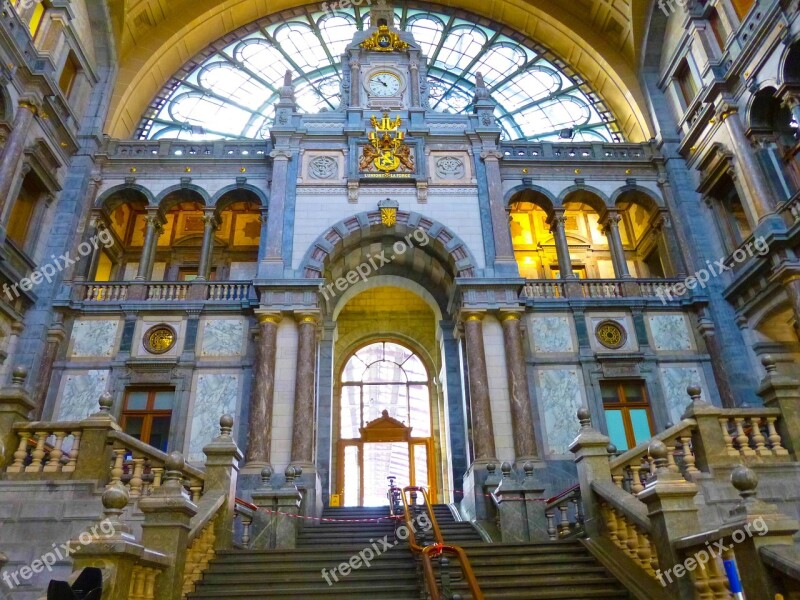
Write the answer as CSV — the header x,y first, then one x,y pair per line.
x,y
163,294
579,151
661,290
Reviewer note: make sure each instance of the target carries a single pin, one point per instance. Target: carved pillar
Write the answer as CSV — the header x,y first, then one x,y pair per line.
x,y
259,438
210,225
557,223
758,195
482,428
305,383
273,261
519,395
153,230
503,249
355,72
414,84
14,148
55,335
705,325
611,230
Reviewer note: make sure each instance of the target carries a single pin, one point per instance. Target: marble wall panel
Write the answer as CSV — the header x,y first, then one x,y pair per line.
x,y
215,394
94,338
550,334
670,333
560,395
674,381
222,337
80,391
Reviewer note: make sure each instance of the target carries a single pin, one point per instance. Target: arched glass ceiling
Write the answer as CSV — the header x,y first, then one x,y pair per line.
x,y
230,90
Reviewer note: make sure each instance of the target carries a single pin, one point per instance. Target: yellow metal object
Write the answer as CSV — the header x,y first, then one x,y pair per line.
x,y
384,40
387,150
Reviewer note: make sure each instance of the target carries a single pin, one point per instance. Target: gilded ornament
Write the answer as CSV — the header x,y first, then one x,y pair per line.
x,y
160,339
611,335
384,40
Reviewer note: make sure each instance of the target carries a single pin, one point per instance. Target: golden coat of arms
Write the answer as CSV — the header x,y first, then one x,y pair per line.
x,y
384,40
386,151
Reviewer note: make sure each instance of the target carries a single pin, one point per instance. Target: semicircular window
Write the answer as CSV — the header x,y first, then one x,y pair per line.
x,y
230,91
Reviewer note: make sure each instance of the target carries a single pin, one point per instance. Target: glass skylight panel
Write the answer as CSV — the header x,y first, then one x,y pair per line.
x,y
231,94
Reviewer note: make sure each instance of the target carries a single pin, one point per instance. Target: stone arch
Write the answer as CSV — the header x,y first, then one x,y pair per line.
x,y
652,201
585,194
261,195
366,226
124,193
182,193
534,194
790,63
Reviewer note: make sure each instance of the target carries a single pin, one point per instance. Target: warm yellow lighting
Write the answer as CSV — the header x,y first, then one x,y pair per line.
x,y
36,19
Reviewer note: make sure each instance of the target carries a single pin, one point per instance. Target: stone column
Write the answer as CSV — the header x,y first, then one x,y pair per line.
x,y
14,148
210,225
273,260
355,76
152,232
84,269
414,84
304,392
557,223
519,395
758,195
259,436
55,336
611,229
262,240
503,249
482,429
668,246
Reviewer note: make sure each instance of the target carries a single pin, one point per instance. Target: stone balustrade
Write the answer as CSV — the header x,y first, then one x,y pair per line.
x,y
564,514
245,513
631,535
47,448
106,292
752,434
663,289
199,553
790,211
540,289
568,151
94,293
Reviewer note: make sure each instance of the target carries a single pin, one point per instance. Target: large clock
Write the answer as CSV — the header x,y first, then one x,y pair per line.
x,y
384,84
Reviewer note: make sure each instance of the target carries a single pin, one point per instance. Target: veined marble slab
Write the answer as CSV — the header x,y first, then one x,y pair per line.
x,y
94,338
223,337
551,334
674,381
560,396
670,333
215,394
80,394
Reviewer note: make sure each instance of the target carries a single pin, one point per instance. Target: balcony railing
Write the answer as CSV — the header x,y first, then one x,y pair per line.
x,y
548,289
578,151
160,149
203,291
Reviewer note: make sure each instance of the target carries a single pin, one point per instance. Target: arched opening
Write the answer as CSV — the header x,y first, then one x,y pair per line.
x,y
647,241
773,129
385,423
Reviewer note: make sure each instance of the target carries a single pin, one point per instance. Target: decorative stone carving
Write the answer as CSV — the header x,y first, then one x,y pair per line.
x,y
450,167
323,167
611,335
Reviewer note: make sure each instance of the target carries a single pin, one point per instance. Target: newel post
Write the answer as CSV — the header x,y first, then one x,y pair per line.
x,y
591,457
783,392
707,441
167,521
222,472
511,508
95,453
673,515
15,405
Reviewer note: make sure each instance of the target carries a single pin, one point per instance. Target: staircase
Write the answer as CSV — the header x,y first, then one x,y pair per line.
x,y
563,570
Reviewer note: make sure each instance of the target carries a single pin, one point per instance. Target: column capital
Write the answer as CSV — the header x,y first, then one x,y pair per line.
x,y
269,317
468,315
510,314
211,219
307,317
30,104
610,220
281,155
491,154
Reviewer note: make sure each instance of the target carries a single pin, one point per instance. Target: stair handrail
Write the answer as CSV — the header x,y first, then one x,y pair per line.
x,y
436,549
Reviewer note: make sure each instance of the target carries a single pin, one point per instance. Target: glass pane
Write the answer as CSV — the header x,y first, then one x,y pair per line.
x,y
420,403
616,429
389,397
384,370
415,370
380,461
136,401
354,369
634,394
396,353
421,465
133,426
350,416
641,425
352,476
159,433
164,400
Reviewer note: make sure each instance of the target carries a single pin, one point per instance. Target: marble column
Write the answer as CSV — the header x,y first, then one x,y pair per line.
x,y
557,223
210,225
152,232
414,67
273,260
611,229
503,249
304,424
83,269
55,336
518,391
14,149
758,195
259,437
480,403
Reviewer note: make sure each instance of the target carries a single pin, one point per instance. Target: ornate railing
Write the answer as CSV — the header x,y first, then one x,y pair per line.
x,y
576,151
542,289
198,291
183,150
564,514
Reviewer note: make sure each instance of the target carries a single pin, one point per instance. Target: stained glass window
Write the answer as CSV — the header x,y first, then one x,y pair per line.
x,y
229,91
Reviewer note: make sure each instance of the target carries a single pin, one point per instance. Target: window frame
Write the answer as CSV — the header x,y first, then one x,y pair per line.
x,y
149,413
625,407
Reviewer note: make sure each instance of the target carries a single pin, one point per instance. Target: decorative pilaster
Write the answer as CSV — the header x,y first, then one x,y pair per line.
x,y
519,395
503,249
792,286
259,438
210,225
153,228
305,384
557,228
15,146
758,195
482,428
55,336
273,260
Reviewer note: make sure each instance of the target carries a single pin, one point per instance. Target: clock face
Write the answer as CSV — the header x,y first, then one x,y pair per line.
x,y
384,84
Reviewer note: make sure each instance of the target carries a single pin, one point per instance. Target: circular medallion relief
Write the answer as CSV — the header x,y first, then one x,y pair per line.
x,y
611,335
159,339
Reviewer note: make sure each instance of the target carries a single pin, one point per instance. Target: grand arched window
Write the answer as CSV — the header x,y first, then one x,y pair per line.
x,y
384,423
229,91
